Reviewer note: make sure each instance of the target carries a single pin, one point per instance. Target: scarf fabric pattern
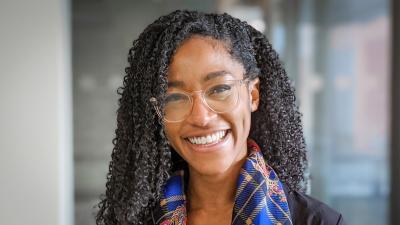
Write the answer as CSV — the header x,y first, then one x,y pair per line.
x,y
259,199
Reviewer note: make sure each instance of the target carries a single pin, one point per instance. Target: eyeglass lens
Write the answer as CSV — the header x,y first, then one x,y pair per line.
x,y
219,98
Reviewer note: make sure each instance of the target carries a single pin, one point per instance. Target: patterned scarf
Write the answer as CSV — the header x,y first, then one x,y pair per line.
x,y
259,199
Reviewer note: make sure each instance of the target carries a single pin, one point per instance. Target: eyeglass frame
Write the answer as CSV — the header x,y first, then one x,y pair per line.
x,y
154,101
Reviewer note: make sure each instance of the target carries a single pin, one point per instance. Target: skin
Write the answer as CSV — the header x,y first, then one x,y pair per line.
x,y
213,174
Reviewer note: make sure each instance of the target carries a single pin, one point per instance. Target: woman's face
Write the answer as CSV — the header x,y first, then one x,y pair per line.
x,y
200,63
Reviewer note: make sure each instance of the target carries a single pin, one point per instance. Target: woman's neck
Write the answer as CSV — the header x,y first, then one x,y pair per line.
x,y
213,192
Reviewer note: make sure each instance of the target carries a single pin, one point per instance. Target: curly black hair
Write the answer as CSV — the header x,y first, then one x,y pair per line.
x,y
142,159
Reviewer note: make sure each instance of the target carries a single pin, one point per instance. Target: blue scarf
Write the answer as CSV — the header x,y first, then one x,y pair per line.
x,y
259,199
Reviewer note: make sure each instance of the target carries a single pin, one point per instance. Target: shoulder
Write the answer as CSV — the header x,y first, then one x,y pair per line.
x,y
306,210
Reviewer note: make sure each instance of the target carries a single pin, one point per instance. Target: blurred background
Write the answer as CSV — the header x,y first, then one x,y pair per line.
x,y
62,62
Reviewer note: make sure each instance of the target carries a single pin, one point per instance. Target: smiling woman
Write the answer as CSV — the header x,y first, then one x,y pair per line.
x,y
208,131
222,109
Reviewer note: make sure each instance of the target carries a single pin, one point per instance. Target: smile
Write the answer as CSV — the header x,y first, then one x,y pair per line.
x,y
208,139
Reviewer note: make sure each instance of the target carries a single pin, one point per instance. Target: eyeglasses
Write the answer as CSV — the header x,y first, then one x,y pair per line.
x,y
220,97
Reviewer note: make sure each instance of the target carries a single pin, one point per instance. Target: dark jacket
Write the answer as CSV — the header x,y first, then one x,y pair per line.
x,y
304,210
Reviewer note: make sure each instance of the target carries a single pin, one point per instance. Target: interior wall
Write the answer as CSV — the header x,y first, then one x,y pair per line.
x,y
35,116
395,145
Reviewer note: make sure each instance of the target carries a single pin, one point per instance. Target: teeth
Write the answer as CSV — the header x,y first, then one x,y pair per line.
x,y
208,139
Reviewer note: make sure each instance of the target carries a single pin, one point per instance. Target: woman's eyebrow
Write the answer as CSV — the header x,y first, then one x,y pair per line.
x,y
172,84
215,74
209,76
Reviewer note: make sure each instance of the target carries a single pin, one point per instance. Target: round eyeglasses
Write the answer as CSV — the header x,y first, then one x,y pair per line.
x,y
219,97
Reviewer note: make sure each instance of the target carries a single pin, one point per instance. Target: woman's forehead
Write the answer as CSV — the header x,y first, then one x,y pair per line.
x,y
199,60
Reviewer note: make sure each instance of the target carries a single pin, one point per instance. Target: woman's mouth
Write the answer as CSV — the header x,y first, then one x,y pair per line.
x,y
209,139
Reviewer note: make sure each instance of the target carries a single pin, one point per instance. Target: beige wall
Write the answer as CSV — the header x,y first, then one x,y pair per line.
x,y
35,113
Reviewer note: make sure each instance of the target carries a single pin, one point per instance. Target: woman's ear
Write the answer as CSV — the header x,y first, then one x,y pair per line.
x,y
254,87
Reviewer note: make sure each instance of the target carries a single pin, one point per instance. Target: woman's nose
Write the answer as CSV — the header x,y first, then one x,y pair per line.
x,y
201,114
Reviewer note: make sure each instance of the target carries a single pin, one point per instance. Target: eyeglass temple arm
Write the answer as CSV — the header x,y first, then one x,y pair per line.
x,y
155,105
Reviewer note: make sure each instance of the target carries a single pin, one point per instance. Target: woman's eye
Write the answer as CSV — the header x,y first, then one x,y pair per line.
x,y
219,89
174,98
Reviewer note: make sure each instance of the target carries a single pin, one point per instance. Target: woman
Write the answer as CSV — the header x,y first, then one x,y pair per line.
x,y
207,131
